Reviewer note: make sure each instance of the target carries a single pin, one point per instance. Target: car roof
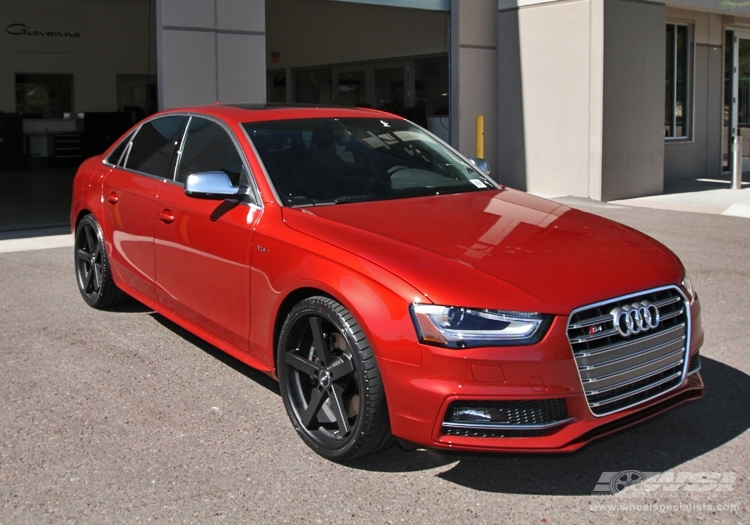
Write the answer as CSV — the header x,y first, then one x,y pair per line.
x,y
266,112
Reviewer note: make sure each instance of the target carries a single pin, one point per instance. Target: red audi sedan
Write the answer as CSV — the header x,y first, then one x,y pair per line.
x,y
390,285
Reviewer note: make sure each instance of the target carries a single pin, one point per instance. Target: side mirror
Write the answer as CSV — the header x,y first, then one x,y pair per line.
x,y
210,185
481,164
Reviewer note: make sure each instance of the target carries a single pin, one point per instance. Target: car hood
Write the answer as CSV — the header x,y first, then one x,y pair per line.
x,y
500,249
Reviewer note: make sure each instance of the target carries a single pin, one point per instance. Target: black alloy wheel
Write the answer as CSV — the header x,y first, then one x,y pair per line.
x,y
330,382
92,266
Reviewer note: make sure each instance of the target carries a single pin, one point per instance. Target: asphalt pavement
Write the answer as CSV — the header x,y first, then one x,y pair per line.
x,y
122,417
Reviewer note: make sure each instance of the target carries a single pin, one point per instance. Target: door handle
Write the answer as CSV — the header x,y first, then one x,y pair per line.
x,y
166,217
113,198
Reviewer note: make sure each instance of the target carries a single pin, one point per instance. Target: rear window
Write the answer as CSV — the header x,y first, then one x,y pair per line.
x,y
154,146
116,155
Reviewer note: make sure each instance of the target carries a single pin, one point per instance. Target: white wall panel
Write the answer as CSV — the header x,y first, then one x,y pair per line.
x,y
214,51
241,64
245,15
188,73
189,13
545,72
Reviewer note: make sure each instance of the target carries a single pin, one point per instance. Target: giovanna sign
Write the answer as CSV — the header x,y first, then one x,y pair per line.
x,y
43,30
24,30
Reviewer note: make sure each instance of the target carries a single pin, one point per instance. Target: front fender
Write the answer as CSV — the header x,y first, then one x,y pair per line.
x,y
285,261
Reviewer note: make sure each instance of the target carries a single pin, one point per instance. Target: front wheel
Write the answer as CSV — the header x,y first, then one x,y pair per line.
x,y
330,382
93,271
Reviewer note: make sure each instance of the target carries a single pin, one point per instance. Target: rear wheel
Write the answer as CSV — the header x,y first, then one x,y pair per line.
x,y
93,272
330,382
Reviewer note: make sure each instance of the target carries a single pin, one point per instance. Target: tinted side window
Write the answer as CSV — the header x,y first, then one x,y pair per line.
x,y
154,146
208,147
116,155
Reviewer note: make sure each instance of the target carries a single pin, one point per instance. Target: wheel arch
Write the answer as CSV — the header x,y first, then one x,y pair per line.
x,y
81,214
380,312
292,299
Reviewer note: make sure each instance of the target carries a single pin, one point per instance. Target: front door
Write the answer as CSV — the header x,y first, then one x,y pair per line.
x,y
203,246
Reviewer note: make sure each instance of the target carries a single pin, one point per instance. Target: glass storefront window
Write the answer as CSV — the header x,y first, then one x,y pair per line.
x,y
313,86
384,85
390,89
277,86
44,95
415,88
136,91
350,88
431,81
678,104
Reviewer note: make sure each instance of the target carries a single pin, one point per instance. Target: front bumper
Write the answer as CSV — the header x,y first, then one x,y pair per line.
x,y
420,395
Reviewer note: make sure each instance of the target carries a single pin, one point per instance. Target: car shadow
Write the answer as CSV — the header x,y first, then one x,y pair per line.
x,y
248,371
657,445
131,306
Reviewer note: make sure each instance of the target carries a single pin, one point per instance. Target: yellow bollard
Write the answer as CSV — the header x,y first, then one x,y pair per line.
x,y
480,136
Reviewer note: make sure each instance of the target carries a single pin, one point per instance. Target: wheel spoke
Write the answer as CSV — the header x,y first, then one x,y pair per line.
x,y
97,251
97,271
297,362
341,367
84,255
316,399
325,414
337,405
89,238
324,353
88,275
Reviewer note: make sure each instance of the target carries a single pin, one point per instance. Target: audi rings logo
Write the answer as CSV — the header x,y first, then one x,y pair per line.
x,y
635,318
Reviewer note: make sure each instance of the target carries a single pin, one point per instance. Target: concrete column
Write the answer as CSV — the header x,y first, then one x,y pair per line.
x,y
550,98
581,97
210,51
474,81
633,110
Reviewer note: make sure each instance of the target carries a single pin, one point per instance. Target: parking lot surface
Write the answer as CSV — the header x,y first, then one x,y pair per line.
x,y
123,417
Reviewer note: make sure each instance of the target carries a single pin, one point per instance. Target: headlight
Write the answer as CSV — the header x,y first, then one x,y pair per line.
x,y
456,327
688,286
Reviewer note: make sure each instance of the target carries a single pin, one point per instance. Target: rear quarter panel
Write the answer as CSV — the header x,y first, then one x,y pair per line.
x,y
87,190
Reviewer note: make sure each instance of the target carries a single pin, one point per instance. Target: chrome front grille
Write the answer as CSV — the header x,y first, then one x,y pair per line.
x,y
620,371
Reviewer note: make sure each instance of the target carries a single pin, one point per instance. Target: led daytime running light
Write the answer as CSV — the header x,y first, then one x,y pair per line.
x,y
457,327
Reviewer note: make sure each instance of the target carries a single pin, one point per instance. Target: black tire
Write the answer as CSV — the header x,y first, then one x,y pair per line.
x,y
93,273
330,382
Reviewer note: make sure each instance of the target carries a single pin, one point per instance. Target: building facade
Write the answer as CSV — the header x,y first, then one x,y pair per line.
x,y
605,99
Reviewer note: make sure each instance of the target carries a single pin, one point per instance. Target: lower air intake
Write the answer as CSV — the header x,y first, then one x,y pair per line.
x,y
505,418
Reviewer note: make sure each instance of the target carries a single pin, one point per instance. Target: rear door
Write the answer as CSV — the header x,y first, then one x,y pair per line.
x,y
203,247
130,191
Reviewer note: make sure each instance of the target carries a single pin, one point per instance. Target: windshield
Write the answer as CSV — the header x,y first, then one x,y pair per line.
x,y
340,160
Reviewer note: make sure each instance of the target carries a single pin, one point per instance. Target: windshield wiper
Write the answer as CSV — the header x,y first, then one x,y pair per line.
x,y
331,202
353,198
